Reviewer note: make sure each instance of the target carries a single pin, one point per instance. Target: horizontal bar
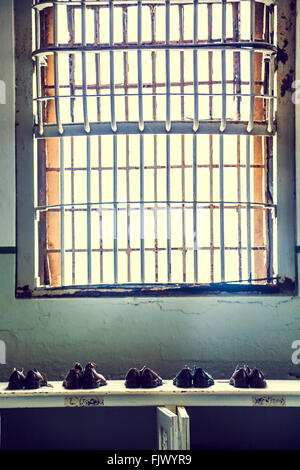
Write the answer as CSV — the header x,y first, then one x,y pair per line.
x,y
154,127
199,203
258,46
122,95
46,3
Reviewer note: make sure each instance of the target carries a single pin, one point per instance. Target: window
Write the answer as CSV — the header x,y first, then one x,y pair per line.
x,y
155,145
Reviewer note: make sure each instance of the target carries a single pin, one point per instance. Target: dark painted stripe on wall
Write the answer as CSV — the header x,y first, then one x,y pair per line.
x,y
6,250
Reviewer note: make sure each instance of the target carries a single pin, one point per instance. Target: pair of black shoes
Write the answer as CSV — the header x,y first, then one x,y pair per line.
x,y
244,377
144,378
34,379
196,377
87,378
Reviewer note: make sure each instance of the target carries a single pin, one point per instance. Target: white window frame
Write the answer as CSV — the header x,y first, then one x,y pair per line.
x,y
26,177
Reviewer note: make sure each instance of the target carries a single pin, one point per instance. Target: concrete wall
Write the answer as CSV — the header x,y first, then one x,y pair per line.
x,y
163,333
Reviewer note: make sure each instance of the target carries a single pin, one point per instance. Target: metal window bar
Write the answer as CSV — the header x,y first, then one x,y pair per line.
x,y
62,212
84,71
183,127
112,69
223,55
248,190
56,73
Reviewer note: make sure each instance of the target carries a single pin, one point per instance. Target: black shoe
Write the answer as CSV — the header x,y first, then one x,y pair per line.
x,y
91,378
149,378
35,379
256,379
133,378
16,380
240,377
202,379
74,378
184,378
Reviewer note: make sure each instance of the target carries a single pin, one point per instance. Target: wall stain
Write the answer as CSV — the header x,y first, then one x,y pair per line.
x,y
282,55
286,84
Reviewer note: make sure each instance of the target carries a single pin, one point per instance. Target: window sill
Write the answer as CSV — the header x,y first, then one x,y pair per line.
x,y
286,287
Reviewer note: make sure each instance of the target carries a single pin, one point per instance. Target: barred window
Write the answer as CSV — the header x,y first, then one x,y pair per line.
x,y
154,134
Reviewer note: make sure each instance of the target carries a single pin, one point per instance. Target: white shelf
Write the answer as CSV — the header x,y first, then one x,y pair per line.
x,y
278,393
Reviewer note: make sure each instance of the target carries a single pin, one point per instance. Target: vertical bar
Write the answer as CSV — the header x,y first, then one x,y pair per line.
x,y
238,138
153,59
139,57
115,191
142,207
222,232
211,162
270,214
237,91
271,94
248,190
83,58
73,215
56,74
98,83
38,73
195,222
168,208
112,74
252,38
251,114
168,86
195,65
62,212
182,83
271,22
210,61
88,214
125,68
223,53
